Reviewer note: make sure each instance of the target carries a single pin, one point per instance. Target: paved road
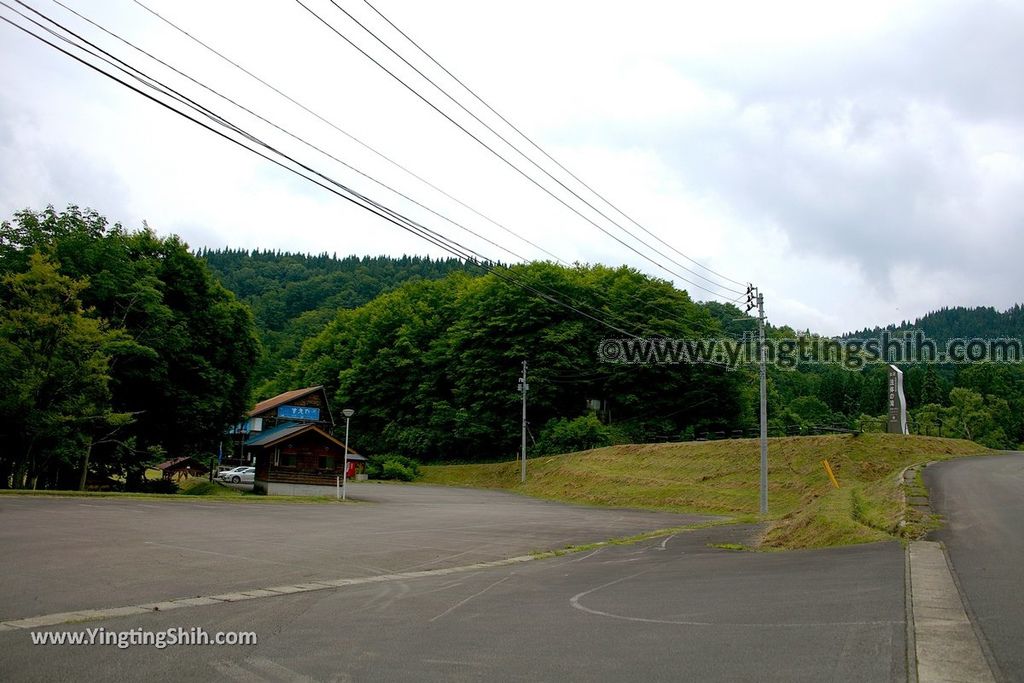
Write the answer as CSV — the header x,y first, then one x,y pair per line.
x,y
667,609
982,500
664,610
80,553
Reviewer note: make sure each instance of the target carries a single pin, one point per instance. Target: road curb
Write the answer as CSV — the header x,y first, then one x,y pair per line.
x,y
908,607
945,645
905,479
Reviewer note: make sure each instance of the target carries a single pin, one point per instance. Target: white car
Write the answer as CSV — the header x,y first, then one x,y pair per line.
x,y
238,475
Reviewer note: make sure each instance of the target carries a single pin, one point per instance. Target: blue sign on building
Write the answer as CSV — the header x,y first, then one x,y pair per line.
x,y
299,413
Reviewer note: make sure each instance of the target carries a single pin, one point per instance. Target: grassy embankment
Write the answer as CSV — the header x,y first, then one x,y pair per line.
x,y
721,477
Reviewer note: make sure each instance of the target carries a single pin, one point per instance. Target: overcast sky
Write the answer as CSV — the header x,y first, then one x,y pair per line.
x,y
863,163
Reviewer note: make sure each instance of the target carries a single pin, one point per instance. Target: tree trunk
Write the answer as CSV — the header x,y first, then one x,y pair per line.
x,y
85,465
21,476
6,472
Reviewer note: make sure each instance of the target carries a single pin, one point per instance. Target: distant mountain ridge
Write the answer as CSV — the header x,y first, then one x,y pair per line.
x,y
958,322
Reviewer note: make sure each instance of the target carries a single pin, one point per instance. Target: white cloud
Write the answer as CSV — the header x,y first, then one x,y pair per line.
x,y
861,162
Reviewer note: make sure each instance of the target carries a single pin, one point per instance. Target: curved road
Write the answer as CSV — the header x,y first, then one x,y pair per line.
x,y
982,500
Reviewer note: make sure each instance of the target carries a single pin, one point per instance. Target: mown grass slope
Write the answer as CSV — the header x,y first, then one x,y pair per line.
x,y
721,477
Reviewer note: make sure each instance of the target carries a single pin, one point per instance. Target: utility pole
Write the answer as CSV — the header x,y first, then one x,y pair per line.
x,y
764,406
348,413
754,297
523,388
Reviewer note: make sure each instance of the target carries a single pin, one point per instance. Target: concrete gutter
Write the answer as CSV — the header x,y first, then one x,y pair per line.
x,y
943,639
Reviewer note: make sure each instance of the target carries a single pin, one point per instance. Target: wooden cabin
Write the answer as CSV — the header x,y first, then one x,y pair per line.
x,y
288,439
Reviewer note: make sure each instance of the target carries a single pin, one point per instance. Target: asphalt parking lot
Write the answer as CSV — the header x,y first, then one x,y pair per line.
x,y
418,607
63,554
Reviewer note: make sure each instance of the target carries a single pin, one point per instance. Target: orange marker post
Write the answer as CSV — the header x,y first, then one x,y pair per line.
x,y
831,475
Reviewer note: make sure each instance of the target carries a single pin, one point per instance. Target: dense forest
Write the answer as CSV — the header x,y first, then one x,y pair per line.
x,y
293,296
959,323
120,348
426,418
981,401
433,365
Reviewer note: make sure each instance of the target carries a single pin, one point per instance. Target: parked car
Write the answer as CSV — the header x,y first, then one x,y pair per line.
x,y
238,475
246,475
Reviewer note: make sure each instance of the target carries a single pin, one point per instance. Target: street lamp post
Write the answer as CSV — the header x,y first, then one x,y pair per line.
x,y
348,413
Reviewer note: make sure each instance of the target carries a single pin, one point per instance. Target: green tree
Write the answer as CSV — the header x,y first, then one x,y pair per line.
x,y
979,418
931,391
432,366
183,363
55,370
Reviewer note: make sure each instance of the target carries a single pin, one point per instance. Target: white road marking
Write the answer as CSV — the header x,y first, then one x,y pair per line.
x,y
230,670
447,586
460,603
628,559
275,591
278,671
578,559
442,559
229,555
574,601
449,661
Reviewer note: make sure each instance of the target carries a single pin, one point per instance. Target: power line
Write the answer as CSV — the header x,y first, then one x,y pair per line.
x,y
463,252
195,105
541,150
278,127
527,157
379,154
502,157
333,125
345,192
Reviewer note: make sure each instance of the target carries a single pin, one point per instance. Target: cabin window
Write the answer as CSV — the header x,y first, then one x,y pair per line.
x,y
325,462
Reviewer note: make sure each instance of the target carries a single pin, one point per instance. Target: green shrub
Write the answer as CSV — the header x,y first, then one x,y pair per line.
x,y
392,466
569,436
392,469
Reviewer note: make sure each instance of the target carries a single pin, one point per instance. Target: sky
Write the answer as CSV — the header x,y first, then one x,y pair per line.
x,y
861,163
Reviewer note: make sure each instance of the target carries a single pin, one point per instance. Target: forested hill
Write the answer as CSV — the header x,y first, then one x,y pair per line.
x,y
293,296
430,351
960,322
281,286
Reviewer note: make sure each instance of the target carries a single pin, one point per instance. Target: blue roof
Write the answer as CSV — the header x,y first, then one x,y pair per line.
x,y
283,431
260,438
